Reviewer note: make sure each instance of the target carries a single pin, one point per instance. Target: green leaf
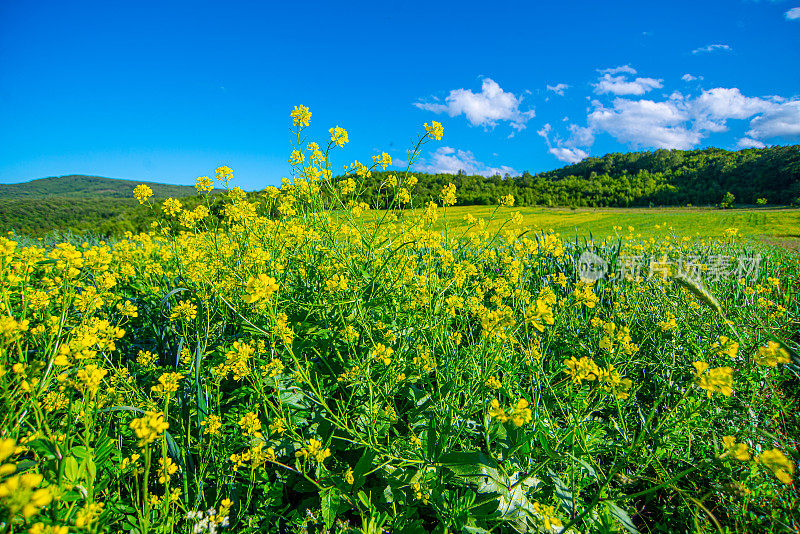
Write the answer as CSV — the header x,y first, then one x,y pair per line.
x,y
563,493
71,468
202,405
331,498
623,517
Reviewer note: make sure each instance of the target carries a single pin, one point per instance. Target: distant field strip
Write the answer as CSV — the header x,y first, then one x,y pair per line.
x,y
762,224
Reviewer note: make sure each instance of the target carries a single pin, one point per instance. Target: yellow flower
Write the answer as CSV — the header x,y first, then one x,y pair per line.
x,y
493,383
547,514
204,184
448,195
301,116
778,463
726,346
167,384
719,379
146,358
772,355
507,200
348,476
336,283
165,472
89,379
172,206
128,461
212,424
261,287
583,369
18,494
224,174
584,294
521,414
420,492
250,423
88,514
403,196
313,449
384,160
338,136
435,130
382,353
496,412
277,426
142,192
149,427
737,450
41,528
542,316
184,310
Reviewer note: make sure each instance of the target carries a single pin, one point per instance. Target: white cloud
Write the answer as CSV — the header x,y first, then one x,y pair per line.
x,y
568,155
781,120
627,69
714,107
712,48
545,130
580,136
449,160
689,78
486,108
620,85
746,142
793,14
558,88
645,123
682,122
567,151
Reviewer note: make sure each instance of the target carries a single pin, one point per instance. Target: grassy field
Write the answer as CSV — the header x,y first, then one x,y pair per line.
x,y
321,373
767,224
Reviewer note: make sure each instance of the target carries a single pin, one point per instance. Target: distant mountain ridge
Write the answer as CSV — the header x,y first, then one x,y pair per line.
x,y
82,186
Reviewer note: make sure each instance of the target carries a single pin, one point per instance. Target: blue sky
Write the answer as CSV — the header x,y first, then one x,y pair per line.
x,y
167,91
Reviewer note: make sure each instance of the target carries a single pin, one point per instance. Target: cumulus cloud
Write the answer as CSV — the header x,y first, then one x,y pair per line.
x,y
746,142
645,123
486,108
712,48
781,120
558,88
682,122
793,14
568,155
449,160
627,69
621,85
568,151
714,107
689,78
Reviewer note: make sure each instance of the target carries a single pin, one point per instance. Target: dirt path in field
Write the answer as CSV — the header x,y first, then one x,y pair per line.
x,y
787,242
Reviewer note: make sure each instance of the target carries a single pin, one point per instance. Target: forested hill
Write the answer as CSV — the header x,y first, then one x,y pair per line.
x,y
78,185
660,178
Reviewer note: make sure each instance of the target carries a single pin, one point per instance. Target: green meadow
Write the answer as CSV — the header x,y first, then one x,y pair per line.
x,y
702,222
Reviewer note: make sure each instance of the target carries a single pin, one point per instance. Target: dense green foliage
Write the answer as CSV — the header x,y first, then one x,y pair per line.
x,y
661,178
78,185
100,216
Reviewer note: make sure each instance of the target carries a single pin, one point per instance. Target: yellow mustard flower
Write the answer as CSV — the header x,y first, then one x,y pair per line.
x,y
301,116
778,463
719,379
740,451
142,193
